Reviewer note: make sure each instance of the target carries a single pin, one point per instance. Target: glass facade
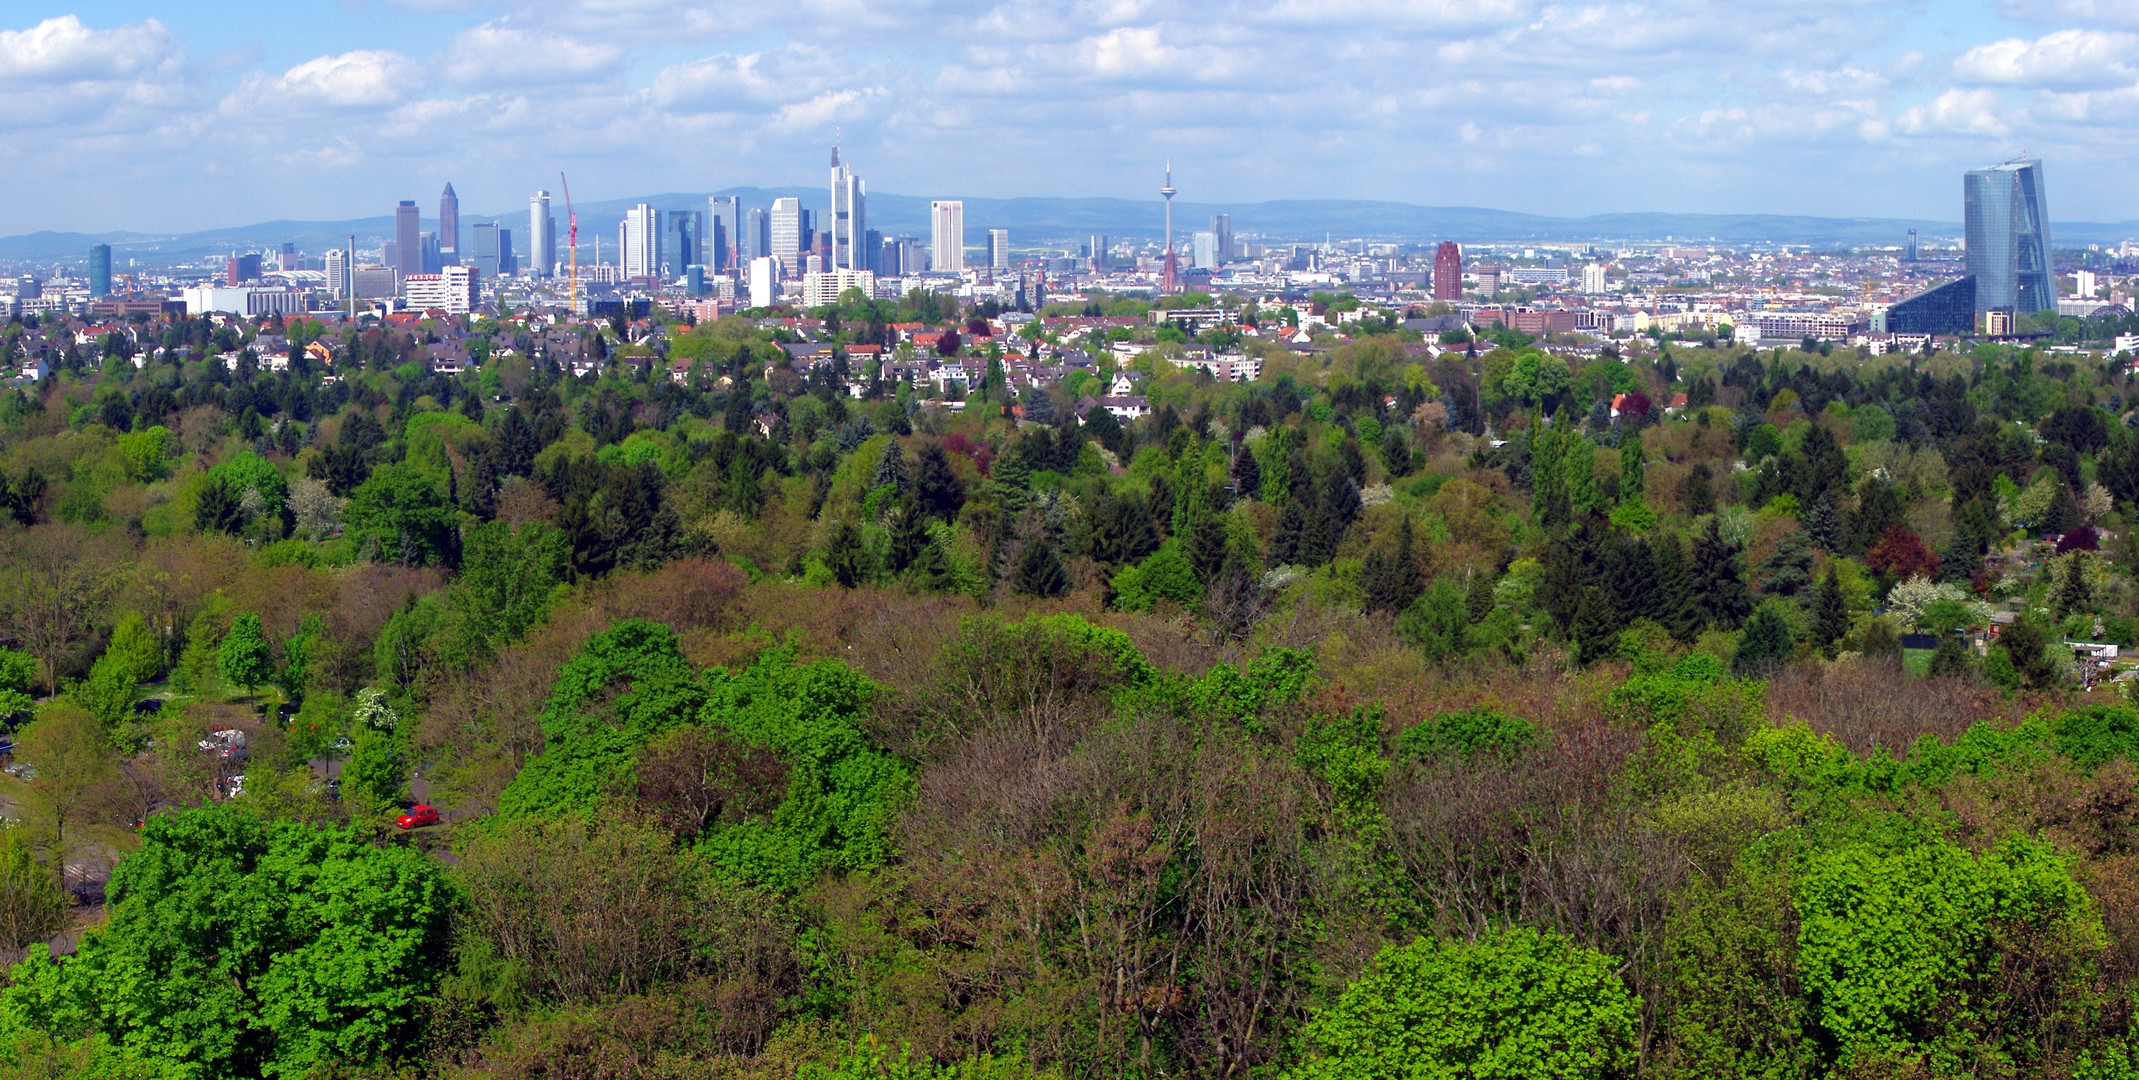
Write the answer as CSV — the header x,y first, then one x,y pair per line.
x,y
1947,309
100,270
2008,227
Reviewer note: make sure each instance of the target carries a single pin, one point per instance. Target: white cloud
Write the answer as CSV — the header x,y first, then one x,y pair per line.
x,y
2067,58
364,78
500,53
64,50
1957,112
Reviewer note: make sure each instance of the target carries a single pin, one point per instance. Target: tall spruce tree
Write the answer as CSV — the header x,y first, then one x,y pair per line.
x,y
1830,613
1040,572
1718,584
1676,606
1631,469
1391,579
1823,527
1247,474
1596,631
1630,580
1548,486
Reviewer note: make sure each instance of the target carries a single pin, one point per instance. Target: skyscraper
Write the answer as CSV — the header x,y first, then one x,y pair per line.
x,y
642,242
787,233
2008,228
724,232
541,235
683,241
484,255
1222,229
1203,250
850,198
1096,250
100,270
756,241
448,227
947,236
337,264
1448,271
998,249
408,238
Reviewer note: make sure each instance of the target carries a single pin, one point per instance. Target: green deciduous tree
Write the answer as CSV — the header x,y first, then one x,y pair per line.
x,y
401,515
236,947
1516,1004
1902,951
32,908
242,659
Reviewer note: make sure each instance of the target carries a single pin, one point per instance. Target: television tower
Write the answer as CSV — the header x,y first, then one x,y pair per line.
x,y
1170,276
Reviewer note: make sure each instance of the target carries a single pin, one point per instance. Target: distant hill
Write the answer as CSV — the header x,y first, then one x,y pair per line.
x,y
1070,221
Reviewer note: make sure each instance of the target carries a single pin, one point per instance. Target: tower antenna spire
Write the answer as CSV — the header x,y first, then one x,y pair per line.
x,y
1170,274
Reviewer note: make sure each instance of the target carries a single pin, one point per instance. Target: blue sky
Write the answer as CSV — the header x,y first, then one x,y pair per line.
x,y
127,114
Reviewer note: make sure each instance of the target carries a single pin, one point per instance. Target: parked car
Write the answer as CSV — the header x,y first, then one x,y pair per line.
x,y
418,816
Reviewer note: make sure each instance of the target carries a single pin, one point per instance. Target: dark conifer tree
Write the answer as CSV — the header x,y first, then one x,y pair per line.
x,y
1787,571
1765,646
1830,613
1878,506
1630,580
1698,492
1718,585
844,555
1247,474
1285,540
1391,579
936,487
909,537
1596,631
1205,544
1823,528
1478,602
1040,571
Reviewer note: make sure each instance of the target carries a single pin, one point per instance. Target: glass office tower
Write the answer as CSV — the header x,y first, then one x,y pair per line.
x,y
2008,222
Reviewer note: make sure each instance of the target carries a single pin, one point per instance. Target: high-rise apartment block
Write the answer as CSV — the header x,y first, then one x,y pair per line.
x,y
1593,278
408,238
850,199
1448,271
998,249
100,270
947,236
642,242
541,235
451,290
448,227
2008,230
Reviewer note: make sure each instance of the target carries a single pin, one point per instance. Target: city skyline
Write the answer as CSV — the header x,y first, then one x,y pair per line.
x,y
1524,106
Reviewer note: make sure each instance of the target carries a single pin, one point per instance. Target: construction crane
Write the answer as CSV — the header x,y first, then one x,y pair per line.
x,y
571,240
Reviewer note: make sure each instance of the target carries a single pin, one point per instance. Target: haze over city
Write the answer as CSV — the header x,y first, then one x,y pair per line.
x,y
168,118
